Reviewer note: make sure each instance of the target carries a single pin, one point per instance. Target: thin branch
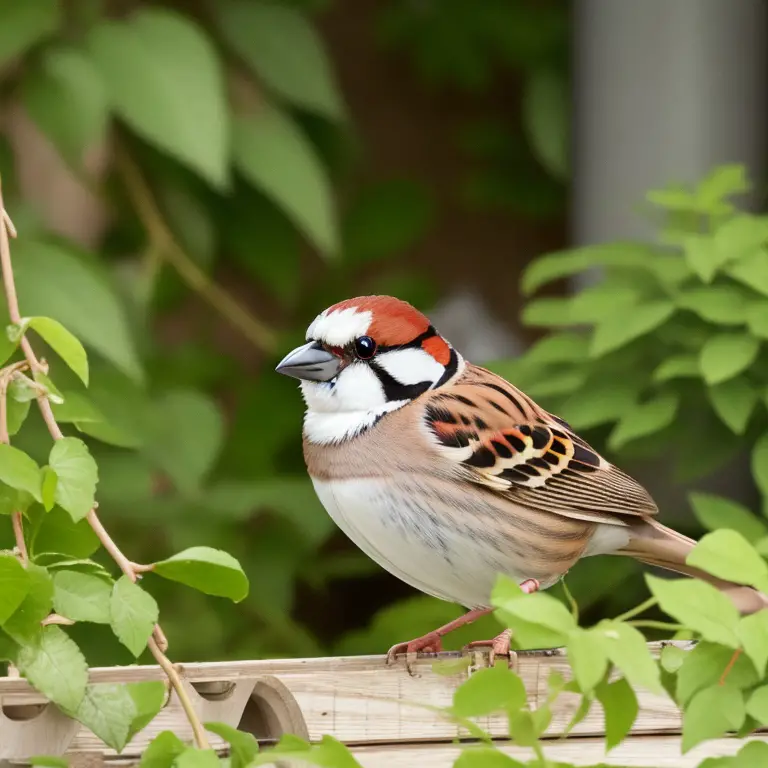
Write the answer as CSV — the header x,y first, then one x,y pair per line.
x,y
16,516
55,618
637,610
163,244
170,670
157,643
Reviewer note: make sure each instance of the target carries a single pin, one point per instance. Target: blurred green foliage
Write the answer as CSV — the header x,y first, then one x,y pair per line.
x,y
233,213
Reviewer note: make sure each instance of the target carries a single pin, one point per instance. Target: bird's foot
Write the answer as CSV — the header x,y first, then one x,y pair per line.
x,y
499,645
429,643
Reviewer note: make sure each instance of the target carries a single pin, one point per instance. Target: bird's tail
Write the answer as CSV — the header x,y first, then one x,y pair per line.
x,y
655,544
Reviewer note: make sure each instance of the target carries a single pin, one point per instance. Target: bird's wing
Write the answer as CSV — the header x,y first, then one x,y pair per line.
x,y
499,438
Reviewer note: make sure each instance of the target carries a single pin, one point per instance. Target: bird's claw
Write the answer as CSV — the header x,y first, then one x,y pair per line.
x,y
429,643
499,646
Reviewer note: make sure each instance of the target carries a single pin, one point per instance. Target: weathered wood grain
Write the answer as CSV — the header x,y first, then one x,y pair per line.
x,y
359,700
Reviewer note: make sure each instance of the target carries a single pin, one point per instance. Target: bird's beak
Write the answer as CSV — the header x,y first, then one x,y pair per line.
x,y
311,363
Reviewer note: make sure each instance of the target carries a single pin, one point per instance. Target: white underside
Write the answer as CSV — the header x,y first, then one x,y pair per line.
x,y
398,533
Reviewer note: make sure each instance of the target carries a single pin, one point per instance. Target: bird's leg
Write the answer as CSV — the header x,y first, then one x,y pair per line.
x,y
500,645
432,641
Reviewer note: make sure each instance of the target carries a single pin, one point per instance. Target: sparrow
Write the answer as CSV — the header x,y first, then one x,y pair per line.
x,y
448,475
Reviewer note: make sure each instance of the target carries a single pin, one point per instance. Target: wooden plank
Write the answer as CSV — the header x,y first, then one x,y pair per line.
x,y
359,700
637,751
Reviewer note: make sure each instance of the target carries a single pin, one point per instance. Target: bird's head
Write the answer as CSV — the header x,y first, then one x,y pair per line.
x,y
370,354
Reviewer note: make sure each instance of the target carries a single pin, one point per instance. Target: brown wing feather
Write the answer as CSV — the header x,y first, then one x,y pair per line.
x,y
501,439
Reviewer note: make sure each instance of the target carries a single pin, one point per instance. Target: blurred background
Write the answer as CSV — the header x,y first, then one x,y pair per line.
x,y
192,182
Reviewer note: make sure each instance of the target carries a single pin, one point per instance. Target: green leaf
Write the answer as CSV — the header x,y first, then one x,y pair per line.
x,y
699,606
275,156
243,747
485,757
54,532
81,596
752,271
627,649
48,488
24,625
146,63
107,709
722,304
703,256
721,182
727,354
133,614
489,690
601,402
192,757
48,761
329,753
757,705
16,414
587,657
534,619
555,266
209,570
67,98
64,343
753,633
184,435
546,111
757,319
162,751
645,419
522,729
569,347
715,512
20,471
77,476
619,330
386,219
12,500
734,401
148,698
741,235
26,24
8,340
56,667
76,409
282,47
14,585
620,709
678,367
759,463
53,281
728,555
710,713
705,665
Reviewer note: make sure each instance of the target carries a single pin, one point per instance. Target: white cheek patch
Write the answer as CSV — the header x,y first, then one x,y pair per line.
x,y
340,410
411,366
356,388
340,326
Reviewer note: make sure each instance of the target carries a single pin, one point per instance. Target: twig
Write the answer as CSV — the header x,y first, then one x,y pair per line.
x,y
729,666
644,606
157,643
163,245
54,618
176,682
16,517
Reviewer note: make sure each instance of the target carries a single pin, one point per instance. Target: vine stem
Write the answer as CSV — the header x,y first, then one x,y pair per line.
x,y
637,610
157,643
163,245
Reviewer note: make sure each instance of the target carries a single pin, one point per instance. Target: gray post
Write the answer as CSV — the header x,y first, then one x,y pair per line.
x,y
663,91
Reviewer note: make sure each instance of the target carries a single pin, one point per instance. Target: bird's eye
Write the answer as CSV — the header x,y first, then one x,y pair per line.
x,y
365,347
